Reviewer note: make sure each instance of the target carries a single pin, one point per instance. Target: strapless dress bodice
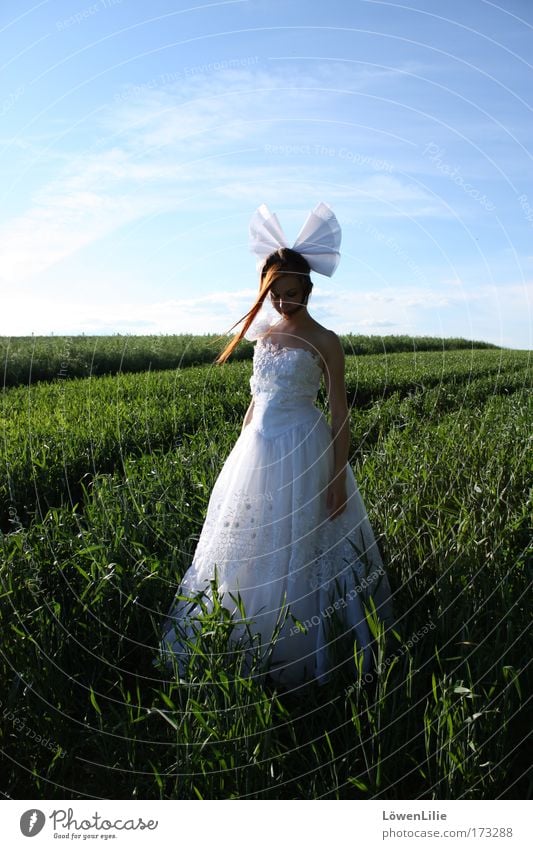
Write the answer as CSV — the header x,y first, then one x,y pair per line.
x,y
284,385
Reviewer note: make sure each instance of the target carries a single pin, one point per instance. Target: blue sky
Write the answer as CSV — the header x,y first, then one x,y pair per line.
x,y
137,139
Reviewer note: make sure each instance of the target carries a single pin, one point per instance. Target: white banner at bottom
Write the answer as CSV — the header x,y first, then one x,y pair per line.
x,y
256,824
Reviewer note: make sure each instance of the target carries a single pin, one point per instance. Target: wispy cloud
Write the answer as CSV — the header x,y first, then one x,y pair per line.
x,y
476,314
192,139
64,317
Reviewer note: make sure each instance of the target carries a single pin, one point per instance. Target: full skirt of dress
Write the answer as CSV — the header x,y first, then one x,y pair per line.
x,y
302,577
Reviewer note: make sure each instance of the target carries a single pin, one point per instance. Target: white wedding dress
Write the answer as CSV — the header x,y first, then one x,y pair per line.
x,y
268,534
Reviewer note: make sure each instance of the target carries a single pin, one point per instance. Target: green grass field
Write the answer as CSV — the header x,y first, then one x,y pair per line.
x,y
108,462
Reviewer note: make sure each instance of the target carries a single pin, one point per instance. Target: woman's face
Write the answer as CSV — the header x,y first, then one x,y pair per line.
x,y
287,294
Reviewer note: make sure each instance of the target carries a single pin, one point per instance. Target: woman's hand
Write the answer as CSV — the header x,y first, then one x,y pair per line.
x,y
336,497
249,414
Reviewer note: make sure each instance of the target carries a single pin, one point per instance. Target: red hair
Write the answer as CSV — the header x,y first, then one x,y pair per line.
x,y
278,264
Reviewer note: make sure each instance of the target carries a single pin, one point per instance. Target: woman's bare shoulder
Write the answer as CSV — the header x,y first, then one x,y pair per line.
x,y
328,341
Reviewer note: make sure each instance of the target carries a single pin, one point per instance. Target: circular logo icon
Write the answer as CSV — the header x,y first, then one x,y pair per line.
x,y
32,822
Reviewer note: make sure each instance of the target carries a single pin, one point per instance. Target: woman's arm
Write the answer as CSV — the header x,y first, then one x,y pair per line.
x,y
340,423
249,414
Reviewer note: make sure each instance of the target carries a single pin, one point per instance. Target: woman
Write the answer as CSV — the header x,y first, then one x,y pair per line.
x,y
286,529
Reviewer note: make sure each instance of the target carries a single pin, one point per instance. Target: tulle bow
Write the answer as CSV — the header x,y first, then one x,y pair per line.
x,y
318,241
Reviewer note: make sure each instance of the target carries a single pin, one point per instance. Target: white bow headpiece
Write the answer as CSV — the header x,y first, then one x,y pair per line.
x,y
318,241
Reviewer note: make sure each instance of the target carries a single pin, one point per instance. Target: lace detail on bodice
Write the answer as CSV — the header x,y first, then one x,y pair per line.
x,y
285,373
